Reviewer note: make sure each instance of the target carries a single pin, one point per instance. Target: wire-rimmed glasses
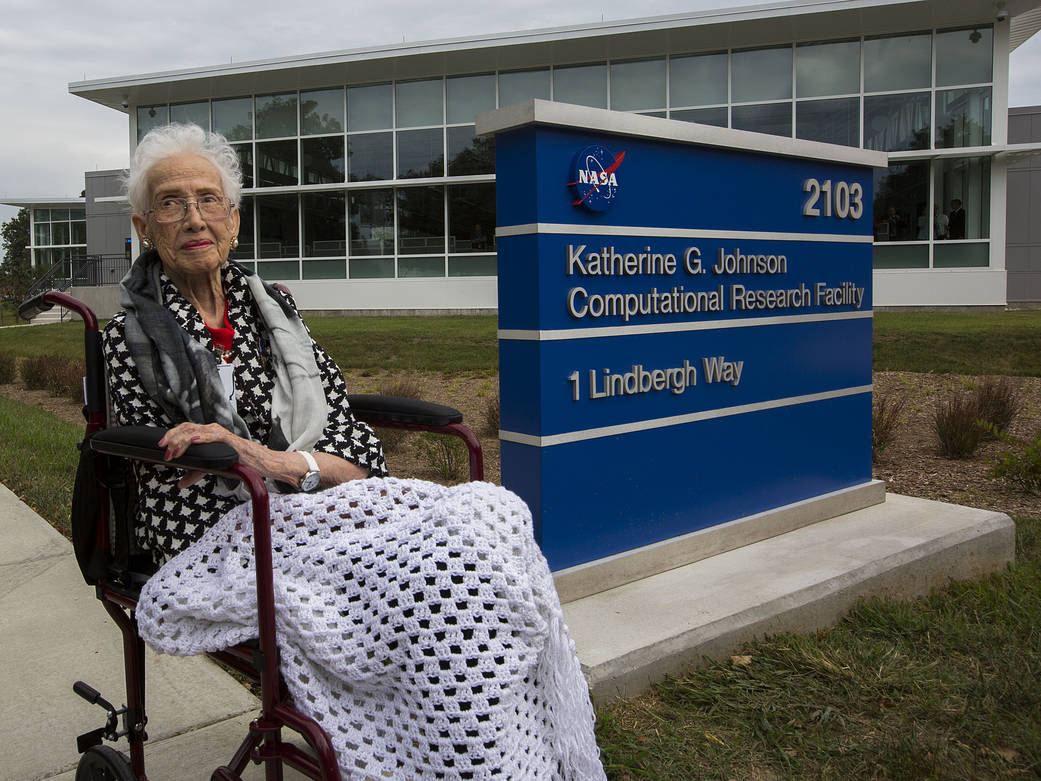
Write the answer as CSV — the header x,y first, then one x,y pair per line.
x,y
211,207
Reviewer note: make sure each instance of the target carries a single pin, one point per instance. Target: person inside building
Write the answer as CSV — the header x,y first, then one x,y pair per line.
x,y
206,349
956,220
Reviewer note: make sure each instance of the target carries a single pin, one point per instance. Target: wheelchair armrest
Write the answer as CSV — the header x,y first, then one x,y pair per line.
x,y
376,409
142,443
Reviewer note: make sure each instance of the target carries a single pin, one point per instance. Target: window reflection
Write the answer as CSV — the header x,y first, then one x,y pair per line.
x,y
469,153
468,96
420,153
233,118
963,117
772,118
276,164
371,157
585,85
964,56
835,121
246,249
698,81
901,202
276,115
638,86
325,232
961,188
761,74
278,226
896,122
418,103
827,69
149,117
321,111
522,86
706,116
191,114
471,218
372,223
370,107
421,220
245,153
323,161
899,62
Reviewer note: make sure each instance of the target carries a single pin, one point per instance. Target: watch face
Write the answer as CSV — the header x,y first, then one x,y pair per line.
x,y
310,481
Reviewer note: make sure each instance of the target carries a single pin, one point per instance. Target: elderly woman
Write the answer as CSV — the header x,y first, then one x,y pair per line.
x,y
206,349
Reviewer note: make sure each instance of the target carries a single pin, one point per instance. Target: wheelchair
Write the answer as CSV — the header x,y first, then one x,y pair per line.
x,y
103,540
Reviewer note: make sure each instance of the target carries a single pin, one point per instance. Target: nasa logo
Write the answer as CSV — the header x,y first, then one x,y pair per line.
x,y
594,177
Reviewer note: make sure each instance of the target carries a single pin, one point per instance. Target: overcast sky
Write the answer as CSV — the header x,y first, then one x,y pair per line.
x,y
48,137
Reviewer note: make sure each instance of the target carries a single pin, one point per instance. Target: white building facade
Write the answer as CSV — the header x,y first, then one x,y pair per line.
x,y
367,188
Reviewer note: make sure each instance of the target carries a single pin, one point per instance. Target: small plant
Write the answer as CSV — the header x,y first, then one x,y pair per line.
x,y
447,455
886,415
1021,466
55,374
491,416
956,424
8,369
998,403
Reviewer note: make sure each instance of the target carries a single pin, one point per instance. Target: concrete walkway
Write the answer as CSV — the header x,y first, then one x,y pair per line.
x,y
53,631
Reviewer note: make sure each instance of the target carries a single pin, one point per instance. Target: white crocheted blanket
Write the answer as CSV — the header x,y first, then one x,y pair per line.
x,y
418,624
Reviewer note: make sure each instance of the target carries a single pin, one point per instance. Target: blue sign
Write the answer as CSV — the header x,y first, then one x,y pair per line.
x,y
685,330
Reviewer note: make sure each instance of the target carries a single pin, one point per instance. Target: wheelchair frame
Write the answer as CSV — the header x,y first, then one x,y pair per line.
x,y
117,582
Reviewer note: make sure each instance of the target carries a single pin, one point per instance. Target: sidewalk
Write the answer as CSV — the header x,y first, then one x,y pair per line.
x,y
56,632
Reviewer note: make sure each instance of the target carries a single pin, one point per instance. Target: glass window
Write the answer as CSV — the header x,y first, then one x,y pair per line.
x,y
371,156
421,267
233,118
901,200
42,215
246,249
706,116
964,56
638,86
469,153
761,74
418,103
325,269
60,233
468,96
963,117
41,233
149,117
192,114
321,111
900,256
370,108
900,62
585,85
772,118
325,224
276,164
471,218
522,86
278,226
284,269
961,187
77,214
698,81
827,69
421,153
372,223
835,121
322,160
79,233
276,115
245,153
471,266
421,220
961,255
59,214
372,268
896,122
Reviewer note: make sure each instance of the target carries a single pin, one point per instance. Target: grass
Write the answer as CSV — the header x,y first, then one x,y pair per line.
x,y
38,459
1006,343
945,687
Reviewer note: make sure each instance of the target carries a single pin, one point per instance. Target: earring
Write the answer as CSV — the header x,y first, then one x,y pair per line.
x,y
234,242
146,243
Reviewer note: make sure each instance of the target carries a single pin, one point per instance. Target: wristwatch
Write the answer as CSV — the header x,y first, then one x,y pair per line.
x,y
313,476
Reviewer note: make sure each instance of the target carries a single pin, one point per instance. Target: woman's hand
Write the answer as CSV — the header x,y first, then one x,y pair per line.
x,y
288,467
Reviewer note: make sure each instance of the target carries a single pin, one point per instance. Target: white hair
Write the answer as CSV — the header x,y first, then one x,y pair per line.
x,y
166,141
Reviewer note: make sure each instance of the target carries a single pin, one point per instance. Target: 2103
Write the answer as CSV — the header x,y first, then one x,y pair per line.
x,y
827,198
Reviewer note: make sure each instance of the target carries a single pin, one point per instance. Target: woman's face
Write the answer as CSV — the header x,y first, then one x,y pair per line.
x,y
194,245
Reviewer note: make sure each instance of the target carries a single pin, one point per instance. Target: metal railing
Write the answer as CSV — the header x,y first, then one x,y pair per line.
x,y
82,271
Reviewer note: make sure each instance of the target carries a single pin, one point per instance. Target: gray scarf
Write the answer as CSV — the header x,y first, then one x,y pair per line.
x,y
180,374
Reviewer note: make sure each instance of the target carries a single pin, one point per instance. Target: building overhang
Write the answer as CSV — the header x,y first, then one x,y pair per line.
x,y
45,203
751,26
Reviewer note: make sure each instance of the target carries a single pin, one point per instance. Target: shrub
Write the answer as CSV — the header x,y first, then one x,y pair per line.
x,y
446,454
491,416
956,424
1021,469
886,412
998,403
56,374
7,368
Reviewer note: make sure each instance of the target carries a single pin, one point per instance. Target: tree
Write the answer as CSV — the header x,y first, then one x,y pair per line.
x,y
16,273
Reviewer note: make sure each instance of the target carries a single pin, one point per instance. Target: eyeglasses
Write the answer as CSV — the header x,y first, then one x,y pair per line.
x,y
211,207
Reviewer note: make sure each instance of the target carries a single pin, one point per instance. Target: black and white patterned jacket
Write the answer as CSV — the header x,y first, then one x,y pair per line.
x,y
170,519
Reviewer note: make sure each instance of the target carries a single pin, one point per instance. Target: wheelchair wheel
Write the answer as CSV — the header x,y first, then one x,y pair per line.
x,y
104,763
